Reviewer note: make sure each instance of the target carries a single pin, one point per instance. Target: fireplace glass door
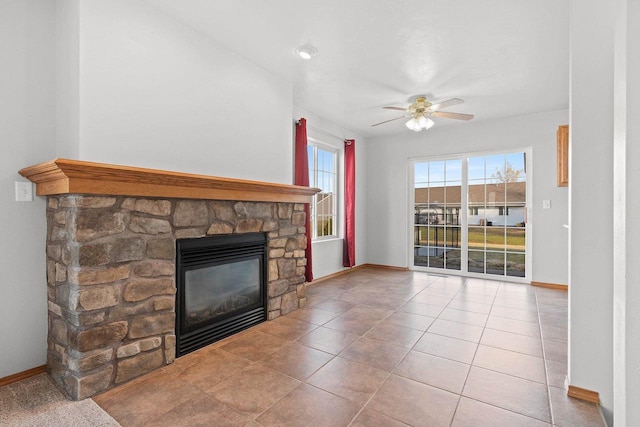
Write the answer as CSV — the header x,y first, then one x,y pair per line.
x,y
220,291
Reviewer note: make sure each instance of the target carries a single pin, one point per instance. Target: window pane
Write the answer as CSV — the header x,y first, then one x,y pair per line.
x,y
436,172
515,167
475,168
495,168
476,237
476,261
495,263
453,259
421,195
475,216
516,193
453,237
420,256
515,265
495,195
516,239
436,193
515,216
421,174
452,216
436,236
436,257
454,170
495,238
421,214
452,193
476,193
420,236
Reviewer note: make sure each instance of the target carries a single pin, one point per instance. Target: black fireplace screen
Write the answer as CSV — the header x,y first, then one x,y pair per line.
x,y
221,287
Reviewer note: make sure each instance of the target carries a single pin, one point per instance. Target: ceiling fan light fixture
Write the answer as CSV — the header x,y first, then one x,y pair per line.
x,y
428,123
306,51
413,125
418,123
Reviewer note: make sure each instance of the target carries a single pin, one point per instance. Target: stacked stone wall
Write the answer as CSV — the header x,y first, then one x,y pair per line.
x,y
111,278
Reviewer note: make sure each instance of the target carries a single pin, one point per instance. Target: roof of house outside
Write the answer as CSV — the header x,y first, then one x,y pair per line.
x,y
495,195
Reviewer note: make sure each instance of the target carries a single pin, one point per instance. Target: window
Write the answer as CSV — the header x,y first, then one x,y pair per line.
x,y
473,211
503,210
323,174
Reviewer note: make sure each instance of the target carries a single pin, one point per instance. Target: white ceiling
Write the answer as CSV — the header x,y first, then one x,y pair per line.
x,y
503,57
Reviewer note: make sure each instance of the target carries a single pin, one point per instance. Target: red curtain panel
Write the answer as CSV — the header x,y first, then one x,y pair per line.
x,y
349,252
302,178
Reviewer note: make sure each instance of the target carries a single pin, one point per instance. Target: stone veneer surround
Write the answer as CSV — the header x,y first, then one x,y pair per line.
x,y
111,278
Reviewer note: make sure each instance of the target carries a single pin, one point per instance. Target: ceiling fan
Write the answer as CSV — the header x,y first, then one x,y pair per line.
x,y
420,110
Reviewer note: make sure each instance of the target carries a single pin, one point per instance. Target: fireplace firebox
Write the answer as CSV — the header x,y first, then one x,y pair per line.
x,y
221,287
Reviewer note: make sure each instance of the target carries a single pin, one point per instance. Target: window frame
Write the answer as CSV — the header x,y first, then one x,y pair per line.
x,y
313,173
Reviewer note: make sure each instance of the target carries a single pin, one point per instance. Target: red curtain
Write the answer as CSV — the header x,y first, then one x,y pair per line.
x,y
349,249
302,178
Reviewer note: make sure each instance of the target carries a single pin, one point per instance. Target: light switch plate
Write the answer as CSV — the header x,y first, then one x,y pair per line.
x,y
24,191
546,204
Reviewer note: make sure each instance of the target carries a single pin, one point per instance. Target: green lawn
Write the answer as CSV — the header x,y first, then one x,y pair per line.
x,y
496,237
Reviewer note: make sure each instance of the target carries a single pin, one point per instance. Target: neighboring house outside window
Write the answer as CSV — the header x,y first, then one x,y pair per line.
x,y
503,210
323,174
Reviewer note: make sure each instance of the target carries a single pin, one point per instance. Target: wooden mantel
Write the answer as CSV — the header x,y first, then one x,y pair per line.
x,y
63,176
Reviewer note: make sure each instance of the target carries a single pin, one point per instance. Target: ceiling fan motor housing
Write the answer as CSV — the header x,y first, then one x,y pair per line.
x,y
419,107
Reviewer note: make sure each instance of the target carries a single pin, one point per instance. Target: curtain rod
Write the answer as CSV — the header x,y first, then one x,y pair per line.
x,y
315,129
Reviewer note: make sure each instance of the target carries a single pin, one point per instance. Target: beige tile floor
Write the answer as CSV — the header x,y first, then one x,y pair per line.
x,y
377,348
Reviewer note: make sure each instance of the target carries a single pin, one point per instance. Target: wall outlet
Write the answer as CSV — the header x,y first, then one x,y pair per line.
x,y
546,204
24,191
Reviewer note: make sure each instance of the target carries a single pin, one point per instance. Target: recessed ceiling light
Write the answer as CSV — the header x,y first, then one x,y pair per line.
x,y
306,51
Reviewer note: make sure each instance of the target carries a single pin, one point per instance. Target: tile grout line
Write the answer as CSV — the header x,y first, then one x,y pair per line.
x,y
474,356
544,355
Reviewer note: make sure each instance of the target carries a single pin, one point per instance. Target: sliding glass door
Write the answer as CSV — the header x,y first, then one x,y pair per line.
x,y
437,228
470,214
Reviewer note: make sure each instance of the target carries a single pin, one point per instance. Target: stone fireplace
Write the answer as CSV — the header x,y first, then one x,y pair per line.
x,y
111,260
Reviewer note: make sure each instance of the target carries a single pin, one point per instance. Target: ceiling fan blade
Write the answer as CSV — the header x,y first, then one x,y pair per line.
x,y
395,108
444,104
387,121
457,116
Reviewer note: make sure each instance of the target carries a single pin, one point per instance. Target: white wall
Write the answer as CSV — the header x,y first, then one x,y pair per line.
x,y
626,251
155,93
27,136
387,184
68,79
327,254
591,184
119,82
